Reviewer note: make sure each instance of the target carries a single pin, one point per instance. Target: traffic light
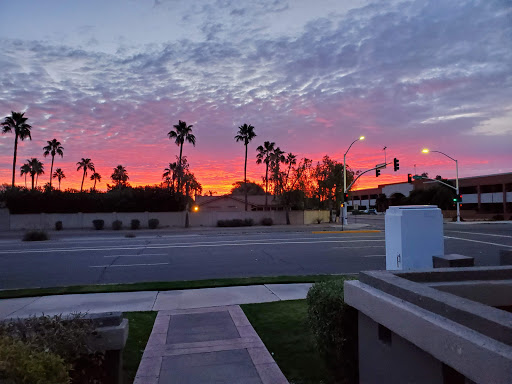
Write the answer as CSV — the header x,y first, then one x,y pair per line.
x,y
457,199
409,178
345,197
377,172
396,164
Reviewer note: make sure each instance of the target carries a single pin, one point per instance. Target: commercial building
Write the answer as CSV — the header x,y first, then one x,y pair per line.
x,y
482,196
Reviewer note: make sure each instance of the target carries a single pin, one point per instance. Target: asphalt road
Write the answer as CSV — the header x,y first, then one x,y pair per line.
x,y
112,258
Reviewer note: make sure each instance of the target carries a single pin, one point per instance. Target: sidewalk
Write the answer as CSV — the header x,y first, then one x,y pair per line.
x,y
199,335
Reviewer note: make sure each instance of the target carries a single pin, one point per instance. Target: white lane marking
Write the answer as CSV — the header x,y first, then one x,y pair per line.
x,y
144,254
167,246
359,247
125,265
483,234
478,241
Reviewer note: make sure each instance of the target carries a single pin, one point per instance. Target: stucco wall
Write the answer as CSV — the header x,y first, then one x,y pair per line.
x,y
166,219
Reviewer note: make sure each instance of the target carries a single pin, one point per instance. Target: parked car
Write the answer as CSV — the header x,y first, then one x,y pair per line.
x,y
371,211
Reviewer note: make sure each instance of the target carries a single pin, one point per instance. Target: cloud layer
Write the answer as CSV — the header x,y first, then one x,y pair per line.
x,y
407,74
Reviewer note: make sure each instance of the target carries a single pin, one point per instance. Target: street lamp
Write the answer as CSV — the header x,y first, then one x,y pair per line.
x,y
426,150
345,180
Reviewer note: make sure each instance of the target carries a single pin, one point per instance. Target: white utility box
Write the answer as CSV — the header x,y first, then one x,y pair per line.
x,y
414,233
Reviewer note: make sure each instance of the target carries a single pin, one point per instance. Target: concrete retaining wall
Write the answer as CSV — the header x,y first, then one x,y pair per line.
x,y
166,219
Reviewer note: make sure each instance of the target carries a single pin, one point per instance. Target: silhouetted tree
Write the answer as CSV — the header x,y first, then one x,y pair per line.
x,y
170,174
249,187
120,176
182,133
97,178
25,170
86,165
263,155
36,169
59,175
17,123
245,134
53,148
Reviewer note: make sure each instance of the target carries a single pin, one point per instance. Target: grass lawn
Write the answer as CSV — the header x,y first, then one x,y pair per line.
x,y
282,327
140,326
163,285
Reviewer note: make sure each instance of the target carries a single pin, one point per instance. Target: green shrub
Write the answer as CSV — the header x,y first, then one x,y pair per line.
x,y
98,224
58,225
21,364
267,221
117,225
35,236
68,338
135,224
334,325
153,223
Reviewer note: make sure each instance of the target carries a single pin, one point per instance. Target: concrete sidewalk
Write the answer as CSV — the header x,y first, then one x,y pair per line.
x,y
199,335
150,300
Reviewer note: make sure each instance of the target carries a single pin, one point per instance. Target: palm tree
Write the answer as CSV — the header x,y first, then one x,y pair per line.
x,y
59,175
97,178
263,155
120,176
170,174
36,168
276,158
53,148
86,165
181,134
25,170
245,134
17,123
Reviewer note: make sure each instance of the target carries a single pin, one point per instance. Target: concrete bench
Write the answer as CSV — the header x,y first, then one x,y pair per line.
x,y
453,260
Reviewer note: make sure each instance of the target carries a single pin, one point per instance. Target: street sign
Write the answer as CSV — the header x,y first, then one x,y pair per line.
x,y
416,177
381,165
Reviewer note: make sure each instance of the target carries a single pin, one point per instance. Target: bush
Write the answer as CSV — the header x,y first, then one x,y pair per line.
x,y
267,221
498,217
235,223
67,338
117,225
98,224
135,224
319,220
334,325
20,363
58,225
35,236
153,223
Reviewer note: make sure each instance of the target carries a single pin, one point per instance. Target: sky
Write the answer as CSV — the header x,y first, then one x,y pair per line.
x,y
109,79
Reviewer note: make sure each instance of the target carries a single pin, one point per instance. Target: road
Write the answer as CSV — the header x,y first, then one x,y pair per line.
x,y
194,255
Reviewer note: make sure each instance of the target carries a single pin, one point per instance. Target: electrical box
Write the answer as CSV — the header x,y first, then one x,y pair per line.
x,y
414,233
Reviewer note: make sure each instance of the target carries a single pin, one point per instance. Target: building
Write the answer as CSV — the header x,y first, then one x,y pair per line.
x,y
236,203
481,195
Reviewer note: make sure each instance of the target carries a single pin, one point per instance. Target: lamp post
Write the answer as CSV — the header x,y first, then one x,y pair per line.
x,y
426,150
345,179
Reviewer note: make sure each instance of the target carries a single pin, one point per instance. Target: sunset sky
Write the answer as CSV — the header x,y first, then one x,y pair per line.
x,y
109,79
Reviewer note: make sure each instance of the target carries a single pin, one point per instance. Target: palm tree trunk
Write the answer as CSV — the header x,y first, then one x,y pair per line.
x,y
59,183
245,177
37,178
14,158
266,187
83,178
51,171
94,187
180,170
25,180
32,181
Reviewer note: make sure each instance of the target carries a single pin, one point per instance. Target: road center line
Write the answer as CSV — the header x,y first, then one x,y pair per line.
x,y
478,241
185,246
125,265
144,254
